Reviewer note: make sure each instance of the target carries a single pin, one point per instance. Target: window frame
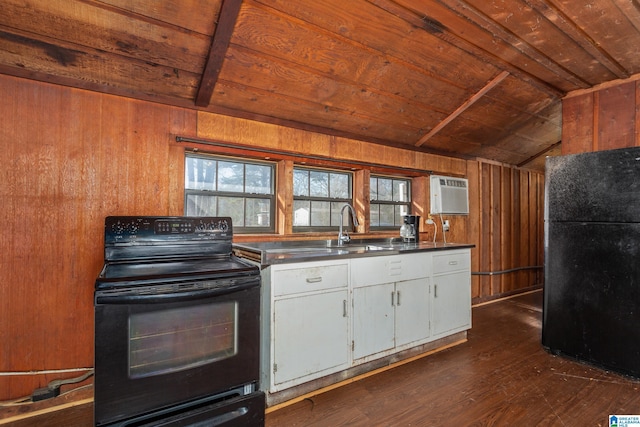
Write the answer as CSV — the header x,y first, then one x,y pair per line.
x,y
372,202
331,200
239,229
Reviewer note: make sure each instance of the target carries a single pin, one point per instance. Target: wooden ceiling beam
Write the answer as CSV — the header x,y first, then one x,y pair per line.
x,y
219,44
541,153
468,103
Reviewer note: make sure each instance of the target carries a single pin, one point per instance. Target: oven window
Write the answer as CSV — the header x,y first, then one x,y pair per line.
x,y
171,340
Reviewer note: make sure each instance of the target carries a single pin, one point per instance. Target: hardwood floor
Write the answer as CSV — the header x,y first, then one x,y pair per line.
x,y
501,377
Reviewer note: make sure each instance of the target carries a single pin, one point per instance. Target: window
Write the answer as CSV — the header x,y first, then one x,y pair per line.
x,y
216,186
390,200
318,196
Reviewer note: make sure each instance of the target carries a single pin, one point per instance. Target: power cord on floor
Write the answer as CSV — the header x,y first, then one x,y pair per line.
x,y
53,388
50,391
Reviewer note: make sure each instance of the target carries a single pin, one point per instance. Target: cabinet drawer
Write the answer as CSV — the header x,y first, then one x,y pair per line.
x,y
311,277
451,261
387,269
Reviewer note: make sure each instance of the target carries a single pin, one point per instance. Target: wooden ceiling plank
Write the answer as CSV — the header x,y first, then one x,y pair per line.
x,y
568,27
609,25
28,55
95,25
631,10
474,38
178,13
276,75
469,102
299,31
241,97
524,21
219,45
471,13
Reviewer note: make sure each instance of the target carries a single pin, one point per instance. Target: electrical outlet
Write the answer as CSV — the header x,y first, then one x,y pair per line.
x,y
445,225
429,220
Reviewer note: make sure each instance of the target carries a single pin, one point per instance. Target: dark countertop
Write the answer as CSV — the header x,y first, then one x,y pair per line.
x,y
282,252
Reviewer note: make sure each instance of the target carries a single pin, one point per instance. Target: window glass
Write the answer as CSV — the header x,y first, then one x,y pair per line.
x,y
318,184
390,201
231,177
339,186
244,191
233,207
318,196
385,190
258,179
373,181
200,174
300,182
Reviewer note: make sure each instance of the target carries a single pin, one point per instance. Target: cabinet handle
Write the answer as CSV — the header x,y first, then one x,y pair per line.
x,y
435,291
392,294
344,308
453,262
398,298
314,279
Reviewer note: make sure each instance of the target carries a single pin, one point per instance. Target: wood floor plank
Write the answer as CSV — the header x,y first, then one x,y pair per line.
x,y
500,377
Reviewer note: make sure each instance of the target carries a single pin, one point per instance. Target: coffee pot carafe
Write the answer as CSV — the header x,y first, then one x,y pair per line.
x,y
410,228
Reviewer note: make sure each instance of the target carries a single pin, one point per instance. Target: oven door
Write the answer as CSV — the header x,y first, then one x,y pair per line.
x,y
158,347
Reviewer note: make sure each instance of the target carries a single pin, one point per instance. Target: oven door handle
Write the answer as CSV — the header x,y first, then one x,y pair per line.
x,y
133,297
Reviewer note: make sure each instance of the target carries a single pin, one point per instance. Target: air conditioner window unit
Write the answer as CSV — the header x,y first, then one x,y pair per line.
x,y
449,195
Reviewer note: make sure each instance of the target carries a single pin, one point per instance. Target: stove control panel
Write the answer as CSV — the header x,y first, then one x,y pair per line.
x,y
154,230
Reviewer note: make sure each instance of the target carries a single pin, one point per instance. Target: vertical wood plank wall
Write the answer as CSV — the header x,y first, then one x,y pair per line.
x,y
506,225
71,157
603,119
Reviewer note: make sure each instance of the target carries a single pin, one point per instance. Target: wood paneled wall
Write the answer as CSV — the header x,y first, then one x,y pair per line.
x,y
506,225
602,119
71,157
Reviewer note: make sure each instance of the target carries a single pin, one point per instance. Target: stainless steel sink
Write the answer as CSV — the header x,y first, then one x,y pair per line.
x,y
299,250
363,248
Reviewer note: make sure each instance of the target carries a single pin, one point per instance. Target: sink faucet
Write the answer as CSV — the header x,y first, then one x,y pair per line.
x,y
343,237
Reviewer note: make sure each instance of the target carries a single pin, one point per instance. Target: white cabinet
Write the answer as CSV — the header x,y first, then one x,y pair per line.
x,y
323,320
310,336
373,319
412,311
451,307
308,327
390,304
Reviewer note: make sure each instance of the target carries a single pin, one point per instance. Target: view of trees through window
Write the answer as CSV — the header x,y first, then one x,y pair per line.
x,y
245,191
227,187
390,201
318,196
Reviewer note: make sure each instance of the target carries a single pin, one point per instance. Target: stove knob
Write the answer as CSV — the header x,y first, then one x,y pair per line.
x,y
223,225
133,228
117,228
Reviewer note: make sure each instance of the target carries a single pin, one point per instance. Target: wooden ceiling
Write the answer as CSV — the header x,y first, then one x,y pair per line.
x,y
464,78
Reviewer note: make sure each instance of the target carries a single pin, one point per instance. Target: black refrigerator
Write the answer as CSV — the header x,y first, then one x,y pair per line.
x,y
591,309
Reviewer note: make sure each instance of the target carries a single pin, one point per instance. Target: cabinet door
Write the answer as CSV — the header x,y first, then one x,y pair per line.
x,y
373,319
310,336
412,311
451,303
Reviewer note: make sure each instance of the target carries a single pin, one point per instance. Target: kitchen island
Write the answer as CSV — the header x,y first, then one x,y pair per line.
x,y
333,312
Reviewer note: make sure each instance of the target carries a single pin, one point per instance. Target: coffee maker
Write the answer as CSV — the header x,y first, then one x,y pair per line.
x,y
410,230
